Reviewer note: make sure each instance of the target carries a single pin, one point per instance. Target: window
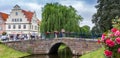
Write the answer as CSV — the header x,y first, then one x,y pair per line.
x,y
32,27
9,26
12,20
0,28
20,20
15,20
19,26
1,21
16,13
35,27
13,26
24,26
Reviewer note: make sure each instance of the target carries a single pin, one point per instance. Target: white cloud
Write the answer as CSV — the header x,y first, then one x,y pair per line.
x,y
35,7
26,5
86,10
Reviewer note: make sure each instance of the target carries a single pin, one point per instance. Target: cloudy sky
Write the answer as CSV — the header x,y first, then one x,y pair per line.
x,y
85,8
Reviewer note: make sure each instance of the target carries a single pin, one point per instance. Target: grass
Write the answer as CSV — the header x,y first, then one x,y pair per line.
x,y
96,54
6,52
63,50
62,46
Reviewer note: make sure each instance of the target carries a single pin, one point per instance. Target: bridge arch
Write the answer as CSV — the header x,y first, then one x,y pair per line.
x,y
54,48
77,46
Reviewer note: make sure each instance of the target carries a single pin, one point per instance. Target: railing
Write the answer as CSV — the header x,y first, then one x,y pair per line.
x,y
47,39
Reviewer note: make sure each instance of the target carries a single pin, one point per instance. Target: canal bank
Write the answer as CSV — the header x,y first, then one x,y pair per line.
x,y
95,54
6,52
49,56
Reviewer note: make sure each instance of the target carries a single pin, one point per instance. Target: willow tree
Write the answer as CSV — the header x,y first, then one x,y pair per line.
x,y
56,17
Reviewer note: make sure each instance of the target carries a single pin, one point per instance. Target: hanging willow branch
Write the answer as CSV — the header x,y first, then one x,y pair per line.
x,y
56,17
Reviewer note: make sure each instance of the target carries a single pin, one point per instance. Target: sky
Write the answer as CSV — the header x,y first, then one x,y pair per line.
x,y
85,8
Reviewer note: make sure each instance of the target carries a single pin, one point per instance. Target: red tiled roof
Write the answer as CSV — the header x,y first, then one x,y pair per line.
x,y
28,15
4,16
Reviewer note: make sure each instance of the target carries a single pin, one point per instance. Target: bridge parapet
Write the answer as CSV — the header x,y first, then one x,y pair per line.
x,y
77,46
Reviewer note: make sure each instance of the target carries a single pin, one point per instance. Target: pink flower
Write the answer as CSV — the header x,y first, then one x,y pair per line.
x,y
114,30
111,35
108,53
98,41
118,50
103,37
110,43
117,33
117,40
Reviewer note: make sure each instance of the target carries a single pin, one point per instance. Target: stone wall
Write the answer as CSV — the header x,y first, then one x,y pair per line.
x,y
77,46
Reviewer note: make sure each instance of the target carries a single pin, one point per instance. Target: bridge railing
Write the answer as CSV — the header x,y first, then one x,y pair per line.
x,y
71,34
47,39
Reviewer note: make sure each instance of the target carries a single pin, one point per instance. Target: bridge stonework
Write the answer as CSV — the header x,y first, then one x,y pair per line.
x,y
77,46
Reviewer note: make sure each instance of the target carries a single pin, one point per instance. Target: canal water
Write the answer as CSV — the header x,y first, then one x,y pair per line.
x,y
51,56
62,52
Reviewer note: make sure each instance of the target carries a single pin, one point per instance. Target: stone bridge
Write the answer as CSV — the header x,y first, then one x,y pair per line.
x,y
40,46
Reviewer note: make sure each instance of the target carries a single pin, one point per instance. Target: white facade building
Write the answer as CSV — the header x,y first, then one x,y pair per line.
x,y
21,22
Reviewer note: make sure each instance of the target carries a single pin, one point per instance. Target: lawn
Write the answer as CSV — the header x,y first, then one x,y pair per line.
x,y
6,52
95,54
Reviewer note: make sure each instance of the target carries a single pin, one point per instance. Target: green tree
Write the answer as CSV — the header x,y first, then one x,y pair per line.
x,y
96,32
56,17
4,33
86,28
106,11
85,31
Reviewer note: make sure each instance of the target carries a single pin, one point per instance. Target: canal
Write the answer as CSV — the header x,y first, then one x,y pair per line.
x,y
51,56
59,50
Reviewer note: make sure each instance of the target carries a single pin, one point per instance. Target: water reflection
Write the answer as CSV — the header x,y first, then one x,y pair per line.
x,y
51,56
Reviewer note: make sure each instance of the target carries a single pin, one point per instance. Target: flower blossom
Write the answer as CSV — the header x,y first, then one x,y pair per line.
x,y
117,40
118,50
103,37
108,53
110,43
98,41
117,33
111,35
114,30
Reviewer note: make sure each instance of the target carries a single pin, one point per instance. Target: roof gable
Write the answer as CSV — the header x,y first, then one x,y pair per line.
x,y
28,15
4,16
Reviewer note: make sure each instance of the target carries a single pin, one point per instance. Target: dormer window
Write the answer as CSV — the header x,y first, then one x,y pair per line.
x,y
16,13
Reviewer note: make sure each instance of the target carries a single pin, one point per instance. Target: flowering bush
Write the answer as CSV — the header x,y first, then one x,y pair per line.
x,y
111,42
